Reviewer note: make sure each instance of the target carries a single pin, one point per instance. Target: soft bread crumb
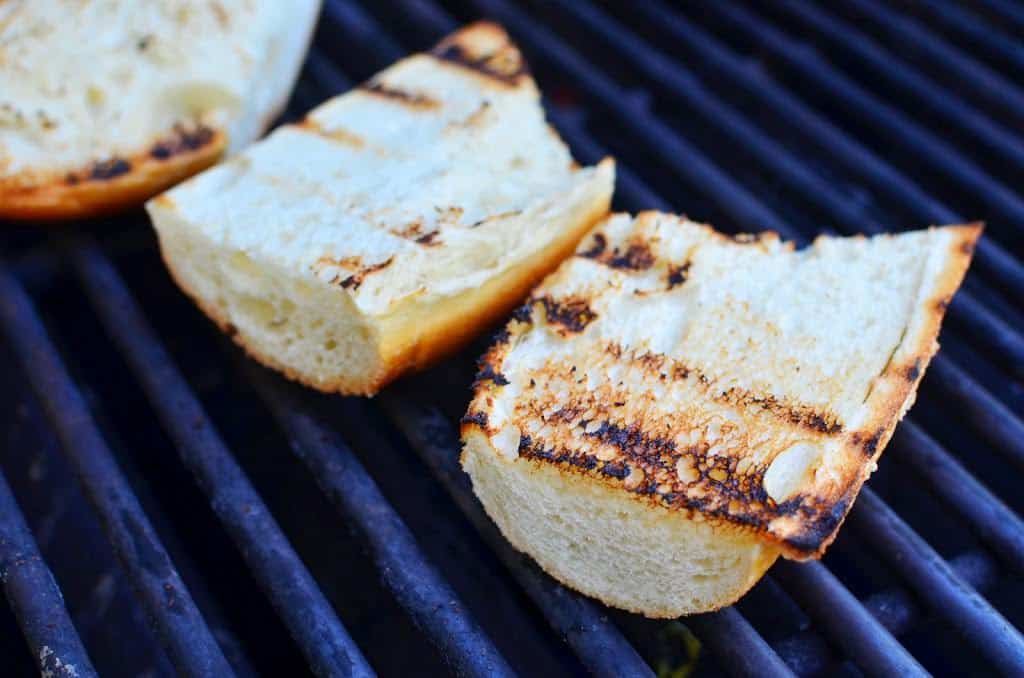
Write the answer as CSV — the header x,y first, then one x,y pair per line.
x,y
623,552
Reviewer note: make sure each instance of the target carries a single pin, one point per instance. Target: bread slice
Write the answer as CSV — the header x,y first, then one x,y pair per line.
x,y
391,224
105,103
674,408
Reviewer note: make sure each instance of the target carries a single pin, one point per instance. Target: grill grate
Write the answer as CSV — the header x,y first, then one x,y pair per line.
x,y
776,116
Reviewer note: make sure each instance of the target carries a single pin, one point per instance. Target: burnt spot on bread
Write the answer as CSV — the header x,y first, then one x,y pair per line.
x,y
495,217
230,329
913,370
597,248
867,442
105,170
182,141
478,418
500,337
404,97
967,247
353,281
572,315
677,275
415,232
637,256
486,372
821,523
523,314
504,65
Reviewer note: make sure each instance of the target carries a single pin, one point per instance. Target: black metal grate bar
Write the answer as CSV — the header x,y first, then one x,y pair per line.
x,y
995,523
991,257
982,82
973,30
280,572
887,66
415,583
983,324
1007,11
899,610
737,644
182,630
990,418
931,577
585,627
848,622
35,598
894,125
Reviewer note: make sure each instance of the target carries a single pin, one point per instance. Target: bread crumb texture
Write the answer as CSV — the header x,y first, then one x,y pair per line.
x,y
674,407
390,224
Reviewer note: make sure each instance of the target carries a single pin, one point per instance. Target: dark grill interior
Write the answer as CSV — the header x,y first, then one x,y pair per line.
x,y
202,517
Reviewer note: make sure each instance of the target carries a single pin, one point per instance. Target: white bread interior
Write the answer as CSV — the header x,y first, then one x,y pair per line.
x,y
674,408
389,226
105,103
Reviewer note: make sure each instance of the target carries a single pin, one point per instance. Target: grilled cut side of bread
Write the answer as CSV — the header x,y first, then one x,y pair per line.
x,y
391,224
106,103
674,408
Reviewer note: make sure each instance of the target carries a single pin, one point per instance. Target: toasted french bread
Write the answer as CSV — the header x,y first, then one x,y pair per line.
x,y
106,103
389,226
674,408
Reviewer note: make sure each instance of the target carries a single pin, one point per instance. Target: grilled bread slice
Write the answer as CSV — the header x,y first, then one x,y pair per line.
x,y
105,103
391,224
674,408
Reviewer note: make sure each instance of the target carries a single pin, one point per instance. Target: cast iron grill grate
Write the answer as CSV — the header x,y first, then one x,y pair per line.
x,y
202,517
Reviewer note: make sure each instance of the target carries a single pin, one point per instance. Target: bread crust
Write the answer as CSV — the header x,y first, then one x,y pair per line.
x,y
106,187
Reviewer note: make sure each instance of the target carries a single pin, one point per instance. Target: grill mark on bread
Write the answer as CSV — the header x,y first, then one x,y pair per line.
x,y
677,275
867,442
414,231
571,314
182,141
356,279
636,257
504,65
109,169
414,100
597,248
805,416
478,418
486,372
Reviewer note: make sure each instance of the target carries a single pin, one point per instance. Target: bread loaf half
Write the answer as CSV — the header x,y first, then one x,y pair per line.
x,y
391,224
105,103
674,408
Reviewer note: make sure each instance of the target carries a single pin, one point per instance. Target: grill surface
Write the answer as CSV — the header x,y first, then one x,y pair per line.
x,y
202,517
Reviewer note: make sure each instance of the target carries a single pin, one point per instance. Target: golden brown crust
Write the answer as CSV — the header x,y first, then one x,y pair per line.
x,y
111,185
642,453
